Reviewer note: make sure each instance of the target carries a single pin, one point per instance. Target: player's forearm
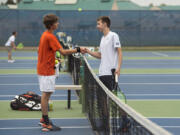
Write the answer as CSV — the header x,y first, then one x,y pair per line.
x,y
95,54
119,58
67,52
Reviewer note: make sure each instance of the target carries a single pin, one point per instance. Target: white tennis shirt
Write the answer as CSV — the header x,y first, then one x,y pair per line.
x,y
109,54
10,40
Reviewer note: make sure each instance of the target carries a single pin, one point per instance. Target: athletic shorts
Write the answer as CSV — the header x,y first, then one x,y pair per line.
x,y
107,80
47,83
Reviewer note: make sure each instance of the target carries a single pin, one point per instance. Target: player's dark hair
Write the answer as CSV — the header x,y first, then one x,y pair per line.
x,y
49,20
14,32
105,19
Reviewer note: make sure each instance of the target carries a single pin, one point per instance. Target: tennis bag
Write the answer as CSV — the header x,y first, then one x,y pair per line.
x,y
26,102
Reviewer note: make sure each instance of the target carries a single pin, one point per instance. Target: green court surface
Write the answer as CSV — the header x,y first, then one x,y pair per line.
x,y
59,111
148,108
125,58
123,71
20,58
156,108
20,71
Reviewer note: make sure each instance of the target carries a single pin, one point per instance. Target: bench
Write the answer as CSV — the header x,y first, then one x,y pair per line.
x,y
68,88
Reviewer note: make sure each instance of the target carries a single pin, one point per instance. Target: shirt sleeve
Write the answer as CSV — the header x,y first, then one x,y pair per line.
x,y
100,46
116,41
12,39
54,44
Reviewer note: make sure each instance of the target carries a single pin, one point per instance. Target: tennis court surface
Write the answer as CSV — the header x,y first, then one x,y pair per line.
x,y
149,79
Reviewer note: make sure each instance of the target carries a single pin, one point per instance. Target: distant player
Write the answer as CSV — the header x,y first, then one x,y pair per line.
x,y
10,44
48,46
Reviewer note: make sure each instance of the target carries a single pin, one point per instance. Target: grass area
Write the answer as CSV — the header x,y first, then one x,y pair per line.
x,y
123,71
21,71
127,48
156,108
148,108
18,71
20,58
59,111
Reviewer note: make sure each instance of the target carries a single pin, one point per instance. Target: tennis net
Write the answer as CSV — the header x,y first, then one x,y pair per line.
x,y
107,114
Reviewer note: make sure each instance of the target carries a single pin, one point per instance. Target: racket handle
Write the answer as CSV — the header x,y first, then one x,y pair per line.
x,y
116,78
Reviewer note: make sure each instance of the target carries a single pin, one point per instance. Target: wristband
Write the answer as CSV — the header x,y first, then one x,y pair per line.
x,y
78,49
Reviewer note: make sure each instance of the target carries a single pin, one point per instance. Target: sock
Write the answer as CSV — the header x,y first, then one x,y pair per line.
x,y
46,119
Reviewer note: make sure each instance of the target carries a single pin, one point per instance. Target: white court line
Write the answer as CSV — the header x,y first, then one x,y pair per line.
x,y
19,62
67,127
143,63
15,75
160,54
163,117
149,75
170,126
29,75
35,75
57,95
77,118
63,95
18,67
63,127
151,83
20,84
23,84
152,94
52,100
152,99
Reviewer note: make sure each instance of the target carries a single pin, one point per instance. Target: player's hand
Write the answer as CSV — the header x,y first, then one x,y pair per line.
x,y
82,50
117,72
86,50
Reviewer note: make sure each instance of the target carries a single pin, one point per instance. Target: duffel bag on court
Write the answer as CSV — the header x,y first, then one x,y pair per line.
x,y
26,102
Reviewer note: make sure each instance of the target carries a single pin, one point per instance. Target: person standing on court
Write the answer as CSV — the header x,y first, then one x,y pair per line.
x,y
111,58
10,44
48,46
109,52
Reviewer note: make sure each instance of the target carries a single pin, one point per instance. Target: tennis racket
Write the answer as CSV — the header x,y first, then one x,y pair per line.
x,y
118,92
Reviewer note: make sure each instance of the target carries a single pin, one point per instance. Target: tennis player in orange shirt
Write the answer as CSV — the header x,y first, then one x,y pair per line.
x,y
48,45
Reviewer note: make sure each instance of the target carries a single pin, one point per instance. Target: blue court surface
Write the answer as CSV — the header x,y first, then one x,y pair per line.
x,y
162,86
30,127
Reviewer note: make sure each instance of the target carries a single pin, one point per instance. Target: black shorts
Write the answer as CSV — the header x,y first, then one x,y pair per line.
x,y
108,81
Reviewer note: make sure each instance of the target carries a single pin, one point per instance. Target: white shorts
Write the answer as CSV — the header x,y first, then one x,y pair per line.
x,y
47,83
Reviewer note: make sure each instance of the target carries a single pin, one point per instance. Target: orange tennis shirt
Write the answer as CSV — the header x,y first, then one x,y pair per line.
x,y
48,46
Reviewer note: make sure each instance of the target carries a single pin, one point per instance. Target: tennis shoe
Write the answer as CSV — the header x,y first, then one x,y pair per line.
x,y
41,122
50,127
11,61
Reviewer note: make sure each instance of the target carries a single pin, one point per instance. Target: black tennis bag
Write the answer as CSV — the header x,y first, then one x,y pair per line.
x,y
26,102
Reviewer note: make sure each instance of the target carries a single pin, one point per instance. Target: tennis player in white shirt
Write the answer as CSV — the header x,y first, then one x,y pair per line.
x,y
109,52
10,44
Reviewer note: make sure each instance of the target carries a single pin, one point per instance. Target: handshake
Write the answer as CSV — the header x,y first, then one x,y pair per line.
x,y
82,50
